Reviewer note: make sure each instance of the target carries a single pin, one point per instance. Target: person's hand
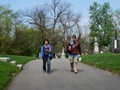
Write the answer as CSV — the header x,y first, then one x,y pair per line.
x,y
70,48
48,50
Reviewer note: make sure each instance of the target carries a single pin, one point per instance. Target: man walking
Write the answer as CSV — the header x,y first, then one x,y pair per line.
x,y
74,49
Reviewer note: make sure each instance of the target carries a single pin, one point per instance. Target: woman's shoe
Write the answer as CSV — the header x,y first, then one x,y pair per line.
x,y
48,72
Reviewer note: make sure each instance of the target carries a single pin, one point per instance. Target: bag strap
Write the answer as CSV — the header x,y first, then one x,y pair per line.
x,y
72,44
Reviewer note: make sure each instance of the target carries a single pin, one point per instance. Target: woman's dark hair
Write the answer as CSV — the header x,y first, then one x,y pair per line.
x,y
46,40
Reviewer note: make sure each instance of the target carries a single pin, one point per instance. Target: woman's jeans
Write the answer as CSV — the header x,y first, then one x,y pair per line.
x,y
48,61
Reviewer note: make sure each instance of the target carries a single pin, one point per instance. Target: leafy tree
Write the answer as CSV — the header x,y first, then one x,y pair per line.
x,y
101,24
5,28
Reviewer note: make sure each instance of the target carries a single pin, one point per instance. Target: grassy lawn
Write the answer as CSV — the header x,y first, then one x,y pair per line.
x,y
8,71
106,61
19,59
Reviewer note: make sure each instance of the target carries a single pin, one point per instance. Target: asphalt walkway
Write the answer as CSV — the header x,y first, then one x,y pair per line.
x,y
88,78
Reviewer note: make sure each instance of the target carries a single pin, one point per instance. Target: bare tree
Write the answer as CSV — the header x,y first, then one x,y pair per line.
x,y
78,18
50,18
68,22
37,17
57,10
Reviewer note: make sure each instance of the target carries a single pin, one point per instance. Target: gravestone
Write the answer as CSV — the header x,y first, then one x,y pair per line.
x,y
96,48
101,52
5,59
13,62
63,54
115,44
56,56
20,66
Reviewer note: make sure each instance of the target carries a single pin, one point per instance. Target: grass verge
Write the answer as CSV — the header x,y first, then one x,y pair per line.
x,y
9,71
106,61
19,59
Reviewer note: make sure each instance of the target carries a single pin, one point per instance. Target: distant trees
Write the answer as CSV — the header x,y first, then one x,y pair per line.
x,y
22,33
15,37
54,21
5,29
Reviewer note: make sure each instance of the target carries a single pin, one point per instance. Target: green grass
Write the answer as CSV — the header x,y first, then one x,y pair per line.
x,y
9,71
106,61
19,59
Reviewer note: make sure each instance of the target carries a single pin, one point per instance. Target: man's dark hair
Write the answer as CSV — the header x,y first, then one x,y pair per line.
x,y
74,36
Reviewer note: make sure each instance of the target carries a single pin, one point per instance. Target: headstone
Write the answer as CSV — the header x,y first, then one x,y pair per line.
x,y
19,66
5,59
63,54
101,52
56,56
115,44
13,62
96,49
82,53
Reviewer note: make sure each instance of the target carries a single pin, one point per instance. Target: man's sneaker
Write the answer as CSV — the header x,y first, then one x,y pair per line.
x,y
76,72
72,70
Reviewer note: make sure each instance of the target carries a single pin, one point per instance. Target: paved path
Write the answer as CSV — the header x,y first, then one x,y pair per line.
x,y
88,78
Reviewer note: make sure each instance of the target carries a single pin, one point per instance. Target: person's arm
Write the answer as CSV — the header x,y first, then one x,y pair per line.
x,y
79,48
49,49
69,47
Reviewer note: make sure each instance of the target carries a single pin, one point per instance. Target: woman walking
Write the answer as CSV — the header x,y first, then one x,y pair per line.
x,y
46,56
